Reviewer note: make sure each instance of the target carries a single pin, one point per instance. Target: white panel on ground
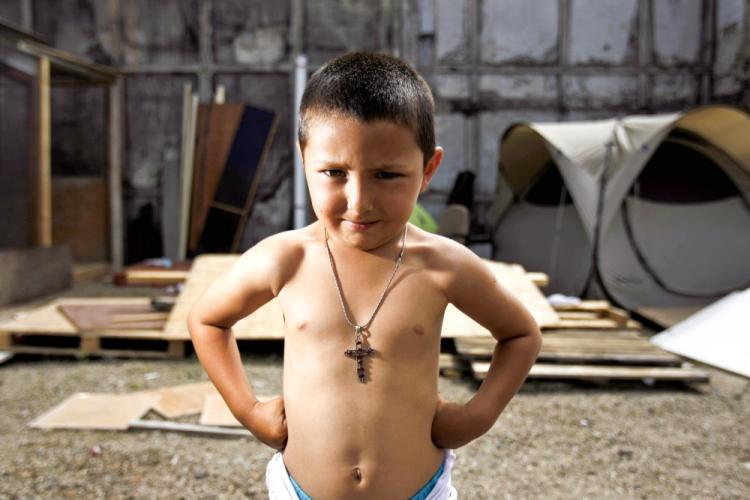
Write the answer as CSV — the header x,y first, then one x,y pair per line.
x,y
718,335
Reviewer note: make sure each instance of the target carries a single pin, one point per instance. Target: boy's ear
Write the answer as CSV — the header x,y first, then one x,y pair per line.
x,y
431,168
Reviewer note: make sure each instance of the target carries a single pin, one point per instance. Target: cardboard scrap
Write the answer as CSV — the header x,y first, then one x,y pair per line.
x,y
84,410
217,413
181,400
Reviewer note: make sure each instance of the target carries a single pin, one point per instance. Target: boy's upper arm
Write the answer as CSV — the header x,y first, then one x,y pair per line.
x,y
253,280
473,288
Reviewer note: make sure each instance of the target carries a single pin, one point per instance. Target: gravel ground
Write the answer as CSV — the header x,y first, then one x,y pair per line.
x,y
555,440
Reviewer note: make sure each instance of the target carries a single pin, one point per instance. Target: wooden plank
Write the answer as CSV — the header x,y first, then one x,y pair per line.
x,y
114,174
600,324
85,410
539,279
667,317
71,63
44,158
83,273
578,315
595,372
78,353
585,305
138,317
189,119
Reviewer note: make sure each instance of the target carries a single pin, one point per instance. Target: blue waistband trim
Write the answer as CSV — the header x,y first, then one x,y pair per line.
x,y
423,492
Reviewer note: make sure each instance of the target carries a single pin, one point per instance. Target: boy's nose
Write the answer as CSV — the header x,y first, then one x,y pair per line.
x,y
358,199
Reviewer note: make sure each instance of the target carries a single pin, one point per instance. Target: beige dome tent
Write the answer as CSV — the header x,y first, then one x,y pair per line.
x,y
645,209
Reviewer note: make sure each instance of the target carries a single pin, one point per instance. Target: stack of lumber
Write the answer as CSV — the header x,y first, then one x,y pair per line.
x,y
592,341
103,411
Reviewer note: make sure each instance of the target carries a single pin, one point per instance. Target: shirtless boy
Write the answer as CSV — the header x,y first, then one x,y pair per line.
x,y
360,415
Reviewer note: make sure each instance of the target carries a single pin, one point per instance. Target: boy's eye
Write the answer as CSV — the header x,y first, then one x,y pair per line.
x,y
387,175
334,173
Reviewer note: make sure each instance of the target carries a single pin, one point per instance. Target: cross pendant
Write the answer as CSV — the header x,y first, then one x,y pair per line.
x,y
358,353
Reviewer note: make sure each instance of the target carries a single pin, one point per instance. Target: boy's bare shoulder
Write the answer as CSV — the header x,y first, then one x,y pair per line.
x,y
439,253
277,257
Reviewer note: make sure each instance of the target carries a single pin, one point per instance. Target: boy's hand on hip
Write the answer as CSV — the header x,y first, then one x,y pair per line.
x,y
267,422
454,425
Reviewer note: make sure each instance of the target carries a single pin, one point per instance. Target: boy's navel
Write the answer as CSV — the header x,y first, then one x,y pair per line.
x,y
358,473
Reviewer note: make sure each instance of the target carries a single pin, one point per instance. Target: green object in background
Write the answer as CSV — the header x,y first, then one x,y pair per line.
x,y
422,219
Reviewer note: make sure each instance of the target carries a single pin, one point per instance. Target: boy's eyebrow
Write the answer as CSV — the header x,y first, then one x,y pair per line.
x,y
341,165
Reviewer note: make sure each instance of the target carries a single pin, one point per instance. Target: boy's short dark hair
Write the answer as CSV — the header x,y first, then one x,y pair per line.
x,y
369,86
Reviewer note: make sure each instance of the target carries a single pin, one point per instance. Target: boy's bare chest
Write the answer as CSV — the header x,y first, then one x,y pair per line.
x,y
410,312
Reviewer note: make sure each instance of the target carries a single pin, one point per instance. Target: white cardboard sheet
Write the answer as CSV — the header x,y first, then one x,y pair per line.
x,y
718,335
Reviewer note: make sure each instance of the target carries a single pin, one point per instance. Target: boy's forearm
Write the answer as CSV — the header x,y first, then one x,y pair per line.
x,y
218,353
511,361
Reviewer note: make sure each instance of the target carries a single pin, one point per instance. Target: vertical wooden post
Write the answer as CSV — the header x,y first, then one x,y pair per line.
x,y
114,175
44,160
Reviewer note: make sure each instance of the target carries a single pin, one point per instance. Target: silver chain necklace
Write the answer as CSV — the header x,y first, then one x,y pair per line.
x,y
358,353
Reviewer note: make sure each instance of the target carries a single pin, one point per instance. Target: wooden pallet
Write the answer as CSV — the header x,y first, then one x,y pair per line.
x,y
590,355
625,346
46,330
144,344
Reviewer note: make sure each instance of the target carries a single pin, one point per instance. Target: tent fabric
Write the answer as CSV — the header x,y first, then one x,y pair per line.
x,y
607,156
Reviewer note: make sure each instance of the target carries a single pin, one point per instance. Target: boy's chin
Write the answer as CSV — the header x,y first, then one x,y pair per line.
x,y
369,239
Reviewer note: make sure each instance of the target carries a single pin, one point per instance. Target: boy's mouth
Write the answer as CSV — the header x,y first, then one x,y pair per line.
x,y
359,225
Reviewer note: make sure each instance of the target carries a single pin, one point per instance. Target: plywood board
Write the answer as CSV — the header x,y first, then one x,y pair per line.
x,y
103,317
181,400
85,410
718,335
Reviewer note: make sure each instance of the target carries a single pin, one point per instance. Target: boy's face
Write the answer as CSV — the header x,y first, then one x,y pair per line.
x,y
364,178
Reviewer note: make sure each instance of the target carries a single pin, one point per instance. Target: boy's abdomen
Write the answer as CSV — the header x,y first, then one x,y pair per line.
x,y
352,440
